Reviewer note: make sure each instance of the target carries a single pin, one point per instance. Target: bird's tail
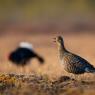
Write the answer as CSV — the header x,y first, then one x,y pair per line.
x,y
40,59
91,70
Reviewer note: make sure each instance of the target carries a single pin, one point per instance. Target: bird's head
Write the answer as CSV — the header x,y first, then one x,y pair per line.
x,y
59,40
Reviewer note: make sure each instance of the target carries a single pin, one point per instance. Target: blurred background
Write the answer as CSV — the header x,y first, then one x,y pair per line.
x,y
38,21
47,15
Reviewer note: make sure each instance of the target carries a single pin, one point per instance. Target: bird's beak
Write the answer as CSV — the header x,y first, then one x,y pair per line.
x,y
54,39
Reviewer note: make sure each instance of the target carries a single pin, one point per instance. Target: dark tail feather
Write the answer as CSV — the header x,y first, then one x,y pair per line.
x,y
40,59
92,70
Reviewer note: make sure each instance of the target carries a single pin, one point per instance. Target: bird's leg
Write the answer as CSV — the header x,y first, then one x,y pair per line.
x,y
21,70
82,77
76,77
94,75
24,69
71,75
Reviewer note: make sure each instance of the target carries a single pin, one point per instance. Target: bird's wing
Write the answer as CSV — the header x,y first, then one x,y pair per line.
x,y
79,61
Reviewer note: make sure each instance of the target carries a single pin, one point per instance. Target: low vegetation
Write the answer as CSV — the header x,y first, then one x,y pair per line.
x,y
34,84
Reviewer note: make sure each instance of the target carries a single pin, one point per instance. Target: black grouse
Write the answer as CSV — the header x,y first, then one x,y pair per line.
x,y
23,54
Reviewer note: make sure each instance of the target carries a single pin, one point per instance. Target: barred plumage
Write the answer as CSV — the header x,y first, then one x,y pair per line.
x,y
73,63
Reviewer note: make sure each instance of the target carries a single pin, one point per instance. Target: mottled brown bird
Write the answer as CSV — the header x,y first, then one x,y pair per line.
x,y
72,63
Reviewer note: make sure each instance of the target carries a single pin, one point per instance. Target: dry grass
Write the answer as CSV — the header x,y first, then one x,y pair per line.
x,y
13,84
45,79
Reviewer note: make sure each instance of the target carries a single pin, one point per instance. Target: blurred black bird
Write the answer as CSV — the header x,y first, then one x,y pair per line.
x,y
23,54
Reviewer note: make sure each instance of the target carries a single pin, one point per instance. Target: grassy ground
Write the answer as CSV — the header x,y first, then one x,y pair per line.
x,y
34,84
49,78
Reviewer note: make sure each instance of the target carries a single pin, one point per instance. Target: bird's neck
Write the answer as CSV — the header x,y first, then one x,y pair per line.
x,y
62,50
